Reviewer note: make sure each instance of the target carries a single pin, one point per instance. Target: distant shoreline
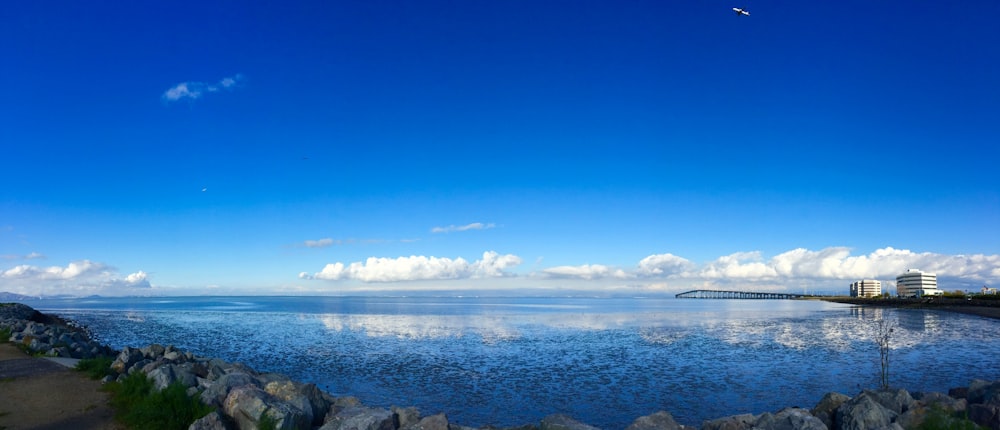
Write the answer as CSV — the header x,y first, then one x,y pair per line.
x,y
979,307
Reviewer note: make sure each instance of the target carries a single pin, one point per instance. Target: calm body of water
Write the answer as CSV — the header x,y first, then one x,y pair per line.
x,y
511,361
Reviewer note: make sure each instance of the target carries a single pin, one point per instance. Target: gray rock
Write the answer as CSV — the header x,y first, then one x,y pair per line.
x,y
826,409
249,405
734,422
361,418
216,393
153,351
162,376
306,397
433,422
659,421
789,419
212,421
898,401
864,412
563,422
126,359
406,416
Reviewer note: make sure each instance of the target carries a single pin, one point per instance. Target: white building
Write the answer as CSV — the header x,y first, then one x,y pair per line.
x,y
914,283
866,288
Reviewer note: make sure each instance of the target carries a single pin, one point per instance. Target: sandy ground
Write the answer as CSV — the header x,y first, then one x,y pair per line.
x,y
39,394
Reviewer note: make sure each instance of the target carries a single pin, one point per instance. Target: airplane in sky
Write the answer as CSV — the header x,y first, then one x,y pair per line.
x,y
741,11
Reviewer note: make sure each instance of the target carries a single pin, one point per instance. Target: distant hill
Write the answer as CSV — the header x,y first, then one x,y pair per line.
x,y
14,297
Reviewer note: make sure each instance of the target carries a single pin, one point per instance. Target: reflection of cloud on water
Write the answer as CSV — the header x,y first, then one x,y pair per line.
x,y
490,328
421,326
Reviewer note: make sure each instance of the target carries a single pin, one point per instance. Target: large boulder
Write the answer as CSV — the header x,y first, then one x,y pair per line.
x,y
826,409
734,422
563,422
362,418
433,422
306,397
249,406
864,412
659,421
212,421
898,401
126,359
217,392
789,419
406,417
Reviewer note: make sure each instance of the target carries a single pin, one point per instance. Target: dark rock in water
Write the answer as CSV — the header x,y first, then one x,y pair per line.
x,y
563,422
826,409
659,421
864,412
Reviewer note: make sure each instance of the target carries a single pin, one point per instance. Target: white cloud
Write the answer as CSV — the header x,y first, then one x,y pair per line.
x,y
453,228
586,272
195,90
76,278
414,268
664,264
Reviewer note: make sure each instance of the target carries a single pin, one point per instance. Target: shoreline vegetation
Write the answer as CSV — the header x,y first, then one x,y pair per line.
x,y
232,396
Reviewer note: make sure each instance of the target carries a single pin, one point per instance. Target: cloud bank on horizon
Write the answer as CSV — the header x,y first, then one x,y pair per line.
x,y
825,269
78,278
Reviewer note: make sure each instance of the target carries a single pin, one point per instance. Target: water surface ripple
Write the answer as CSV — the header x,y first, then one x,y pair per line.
x,y
511,361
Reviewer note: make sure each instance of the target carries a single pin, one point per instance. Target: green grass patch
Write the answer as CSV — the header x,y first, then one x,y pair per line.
x,y
95,368
139,405
5,334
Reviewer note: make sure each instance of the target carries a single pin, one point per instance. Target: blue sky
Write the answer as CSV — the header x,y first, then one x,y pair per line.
x,y
339,147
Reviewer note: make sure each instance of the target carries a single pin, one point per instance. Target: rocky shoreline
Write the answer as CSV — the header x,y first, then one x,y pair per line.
x,y
245,398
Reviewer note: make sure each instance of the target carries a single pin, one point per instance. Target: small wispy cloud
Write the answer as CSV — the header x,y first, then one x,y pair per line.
x,y
326,241
321,243
467,227
195,90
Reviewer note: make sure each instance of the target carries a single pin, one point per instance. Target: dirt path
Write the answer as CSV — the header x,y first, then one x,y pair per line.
x,y
39,394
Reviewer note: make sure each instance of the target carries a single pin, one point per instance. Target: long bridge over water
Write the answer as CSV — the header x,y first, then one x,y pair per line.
x,y
718,294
